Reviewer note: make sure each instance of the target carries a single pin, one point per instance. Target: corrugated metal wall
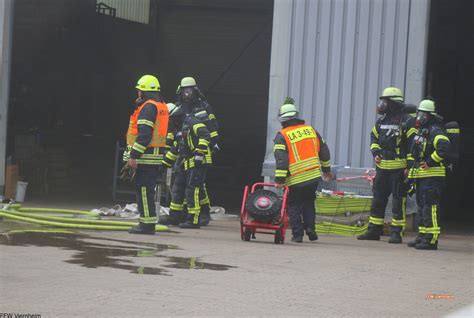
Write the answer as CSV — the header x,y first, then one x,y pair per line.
x,y
133,10
335,57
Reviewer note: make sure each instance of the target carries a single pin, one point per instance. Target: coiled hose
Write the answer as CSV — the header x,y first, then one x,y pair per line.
x,y
64,222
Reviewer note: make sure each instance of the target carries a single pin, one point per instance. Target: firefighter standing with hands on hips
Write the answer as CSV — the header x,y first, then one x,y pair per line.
x,y
146,139
430,148
300,155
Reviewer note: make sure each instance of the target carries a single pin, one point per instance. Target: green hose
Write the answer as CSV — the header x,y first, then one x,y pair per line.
x,y
57,211
339,229
72,220
8,214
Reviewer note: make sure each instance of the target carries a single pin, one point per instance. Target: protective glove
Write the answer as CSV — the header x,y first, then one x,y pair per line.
x,y
328,176
407,187
127,173
216,148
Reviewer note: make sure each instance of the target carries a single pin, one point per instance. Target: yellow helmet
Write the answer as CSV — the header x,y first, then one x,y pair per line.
x,y
187,82
427,105
148,83
392,93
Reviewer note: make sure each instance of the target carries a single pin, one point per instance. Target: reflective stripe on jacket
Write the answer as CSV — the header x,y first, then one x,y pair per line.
x,y
430,145
160,126
303,147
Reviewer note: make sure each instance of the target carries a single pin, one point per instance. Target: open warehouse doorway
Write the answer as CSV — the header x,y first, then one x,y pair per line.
x,y
450,83
74,67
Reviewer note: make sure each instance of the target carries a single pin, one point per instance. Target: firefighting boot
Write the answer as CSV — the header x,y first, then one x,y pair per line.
x,y
373,233
143,228
426,244
311,234
190,223
416,241
172,219
297,239
205,215
370,235
395,238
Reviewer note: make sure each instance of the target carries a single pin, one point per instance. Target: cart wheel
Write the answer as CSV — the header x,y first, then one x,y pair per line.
x,y
278,239
247,234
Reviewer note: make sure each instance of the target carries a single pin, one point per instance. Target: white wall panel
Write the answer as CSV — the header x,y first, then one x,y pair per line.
x,y
340,55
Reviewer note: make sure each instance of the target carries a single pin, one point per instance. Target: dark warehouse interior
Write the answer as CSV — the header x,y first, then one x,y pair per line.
x,y
72,88
450,84
74,70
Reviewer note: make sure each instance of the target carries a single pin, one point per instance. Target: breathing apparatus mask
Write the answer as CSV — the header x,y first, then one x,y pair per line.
x,y
188,94
382,107
421,118
388,105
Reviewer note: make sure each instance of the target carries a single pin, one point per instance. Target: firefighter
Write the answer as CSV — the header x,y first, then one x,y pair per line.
x,y
193,101
146,139
300,155
389,143
189,153
429,148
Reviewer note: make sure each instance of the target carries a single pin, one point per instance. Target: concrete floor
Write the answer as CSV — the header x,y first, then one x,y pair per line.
x,y
211,272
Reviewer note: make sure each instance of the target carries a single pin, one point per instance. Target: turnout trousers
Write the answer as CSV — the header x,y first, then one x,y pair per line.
x,y
428,196
301,208
186,192
386,183
145,183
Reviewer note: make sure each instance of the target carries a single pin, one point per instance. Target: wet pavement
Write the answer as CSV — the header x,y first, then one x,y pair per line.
x,y
211,272
88,252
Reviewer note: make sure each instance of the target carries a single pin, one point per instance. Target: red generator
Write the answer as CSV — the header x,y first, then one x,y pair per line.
x,y
264,211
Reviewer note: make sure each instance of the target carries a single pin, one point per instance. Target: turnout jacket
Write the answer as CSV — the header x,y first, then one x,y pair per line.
x,y
390,138
299,165
151,119
204,112
188,141
430,145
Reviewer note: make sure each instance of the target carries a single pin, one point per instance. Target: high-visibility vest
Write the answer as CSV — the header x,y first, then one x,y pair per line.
x,y
160,126
303,147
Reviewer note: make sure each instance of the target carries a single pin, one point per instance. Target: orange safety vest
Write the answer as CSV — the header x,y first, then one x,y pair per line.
x,y
303,147
160,127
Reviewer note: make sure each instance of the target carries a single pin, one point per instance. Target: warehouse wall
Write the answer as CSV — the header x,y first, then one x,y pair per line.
x,y
74,71
6,26
335,58
72,89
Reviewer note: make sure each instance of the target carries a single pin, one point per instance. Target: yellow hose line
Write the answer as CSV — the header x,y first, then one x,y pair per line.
x,y
6,214
57,211
72,220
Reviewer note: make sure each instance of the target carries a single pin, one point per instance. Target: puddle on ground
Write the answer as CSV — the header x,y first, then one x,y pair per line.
x,y
94,252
